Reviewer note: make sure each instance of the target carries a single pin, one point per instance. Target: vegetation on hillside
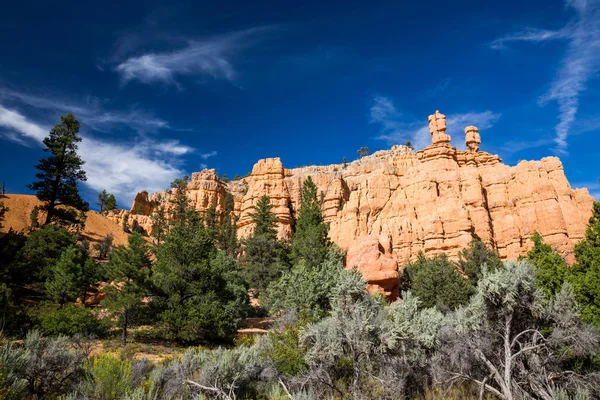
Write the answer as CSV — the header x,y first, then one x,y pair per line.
x,y
472,328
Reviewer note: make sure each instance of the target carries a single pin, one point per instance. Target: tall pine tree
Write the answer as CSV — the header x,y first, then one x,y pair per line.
x,y
310,241
265,257
227,236
585,274
128,272
102,200
59,172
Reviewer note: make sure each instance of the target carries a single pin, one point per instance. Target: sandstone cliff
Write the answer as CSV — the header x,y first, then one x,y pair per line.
x,y
433,200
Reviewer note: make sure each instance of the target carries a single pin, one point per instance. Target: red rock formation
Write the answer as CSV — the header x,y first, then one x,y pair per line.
x,y
378,267
435,200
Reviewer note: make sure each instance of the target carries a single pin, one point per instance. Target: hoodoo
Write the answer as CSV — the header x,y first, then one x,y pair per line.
x,y
434,200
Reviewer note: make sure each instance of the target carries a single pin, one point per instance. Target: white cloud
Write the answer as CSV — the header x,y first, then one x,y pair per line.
x,y
530,35
121,168
173,147
90,112
17,123
210,57
579,64
208,155
395,129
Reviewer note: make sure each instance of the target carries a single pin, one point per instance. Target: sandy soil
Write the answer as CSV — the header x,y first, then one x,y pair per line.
x,y
97,226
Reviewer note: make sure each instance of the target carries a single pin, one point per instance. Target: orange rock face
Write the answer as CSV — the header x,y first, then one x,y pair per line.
x,y
434,200
369,256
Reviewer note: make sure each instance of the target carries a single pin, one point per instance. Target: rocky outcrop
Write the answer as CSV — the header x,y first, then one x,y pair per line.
x,y
434,200
372,257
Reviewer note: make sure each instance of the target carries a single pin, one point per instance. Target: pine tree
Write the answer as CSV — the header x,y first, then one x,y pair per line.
x,y
550,268
227,236
310,242
472,258
159,224
88,269
63,285
263,218
436,282
59,172
363,152
3,210
211,221
102,200
585,274
265,257
199,289
111,203
128,272
179,200
33,218
126,223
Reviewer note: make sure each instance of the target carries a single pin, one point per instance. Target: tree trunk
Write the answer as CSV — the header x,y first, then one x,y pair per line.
x,y
124,336
49,212
508,357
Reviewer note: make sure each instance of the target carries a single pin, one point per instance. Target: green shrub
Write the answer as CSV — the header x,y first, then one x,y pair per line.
x,y
70,320
109,377
286,351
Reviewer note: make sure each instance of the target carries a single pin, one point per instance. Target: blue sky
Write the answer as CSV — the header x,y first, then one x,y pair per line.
x,y
165,89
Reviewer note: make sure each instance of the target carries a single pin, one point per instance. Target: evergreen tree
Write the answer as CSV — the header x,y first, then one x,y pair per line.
x,y
307,289
344,163
436,282
128,272
33,218
199,290
41,251
227,236
62,286
59,172
585,274
89,269
105,246
126,223
550,268
159,224
102,200
111,202
211,221
265,257
179,200
363,152
409,145
3,210
472,259
263,217
310,242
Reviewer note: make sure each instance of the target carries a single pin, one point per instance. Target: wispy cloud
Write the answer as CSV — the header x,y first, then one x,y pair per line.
x,y
578,65
121,168
208,155
211,57
91,111
531,35
397,128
